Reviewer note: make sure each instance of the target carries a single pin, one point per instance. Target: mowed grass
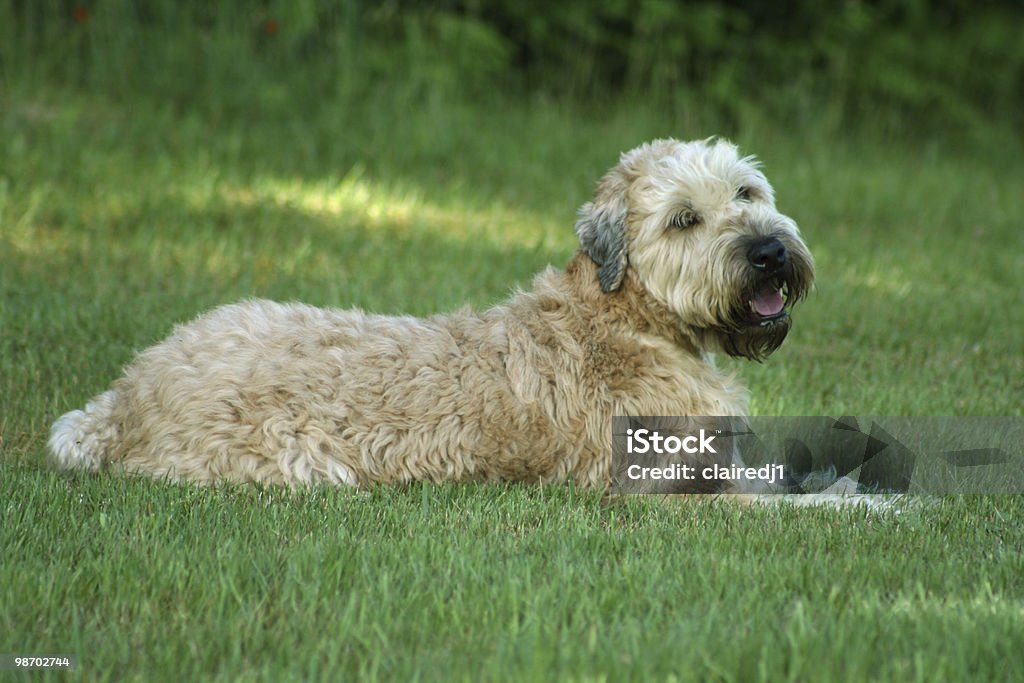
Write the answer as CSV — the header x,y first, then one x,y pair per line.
x,y
150,582
119,219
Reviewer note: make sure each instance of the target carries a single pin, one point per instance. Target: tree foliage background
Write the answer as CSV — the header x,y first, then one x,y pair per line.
x,y
890,64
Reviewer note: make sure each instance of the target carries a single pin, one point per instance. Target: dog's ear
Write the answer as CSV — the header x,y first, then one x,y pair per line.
x,y
601,227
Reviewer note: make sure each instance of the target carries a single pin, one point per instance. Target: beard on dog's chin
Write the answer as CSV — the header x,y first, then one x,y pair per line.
x,y
759,321
756,342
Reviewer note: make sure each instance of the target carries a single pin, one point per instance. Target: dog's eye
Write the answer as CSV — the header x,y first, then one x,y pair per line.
x,y
684,219
743,194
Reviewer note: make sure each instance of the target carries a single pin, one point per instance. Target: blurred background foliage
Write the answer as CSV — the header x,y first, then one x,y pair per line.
x,y
897,66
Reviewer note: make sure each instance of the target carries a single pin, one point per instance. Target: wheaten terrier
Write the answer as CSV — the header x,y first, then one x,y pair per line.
x,y
682,255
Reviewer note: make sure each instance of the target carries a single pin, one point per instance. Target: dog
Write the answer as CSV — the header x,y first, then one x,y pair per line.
x,y
682,255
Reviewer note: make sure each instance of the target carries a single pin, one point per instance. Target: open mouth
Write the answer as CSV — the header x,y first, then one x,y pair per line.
x,y
768,303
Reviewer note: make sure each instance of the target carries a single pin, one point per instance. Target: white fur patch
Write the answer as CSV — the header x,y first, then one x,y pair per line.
x,y
77,438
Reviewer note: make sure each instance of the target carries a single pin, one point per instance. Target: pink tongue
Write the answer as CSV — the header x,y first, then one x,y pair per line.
x,y
768,301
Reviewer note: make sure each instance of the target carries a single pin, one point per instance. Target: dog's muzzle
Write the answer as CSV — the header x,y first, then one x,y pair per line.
x,y
760,319
767,302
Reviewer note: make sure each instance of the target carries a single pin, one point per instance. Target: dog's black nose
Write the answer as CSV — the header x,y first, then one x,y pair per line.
x,y
768,254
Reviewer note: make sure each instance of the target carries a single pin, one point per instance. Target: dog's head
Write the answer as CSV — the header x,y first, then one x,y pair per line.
x,y
696,225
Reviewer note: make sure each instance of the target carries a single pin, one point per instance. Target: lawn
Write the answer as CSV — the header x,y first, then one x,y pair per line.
x,y
119,218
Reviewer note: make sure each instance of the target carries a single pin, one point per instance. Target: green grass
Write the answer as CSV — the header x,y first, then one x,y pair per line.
x,y
118,218
147,582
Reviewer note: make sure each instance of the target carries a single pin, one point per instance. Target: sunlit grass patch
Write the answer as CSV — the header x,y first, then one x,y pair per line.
x,y
355,199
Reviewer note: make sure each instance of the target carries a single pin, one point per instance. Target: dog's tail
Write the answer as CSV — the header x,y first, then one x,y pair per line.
x,y
79,439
